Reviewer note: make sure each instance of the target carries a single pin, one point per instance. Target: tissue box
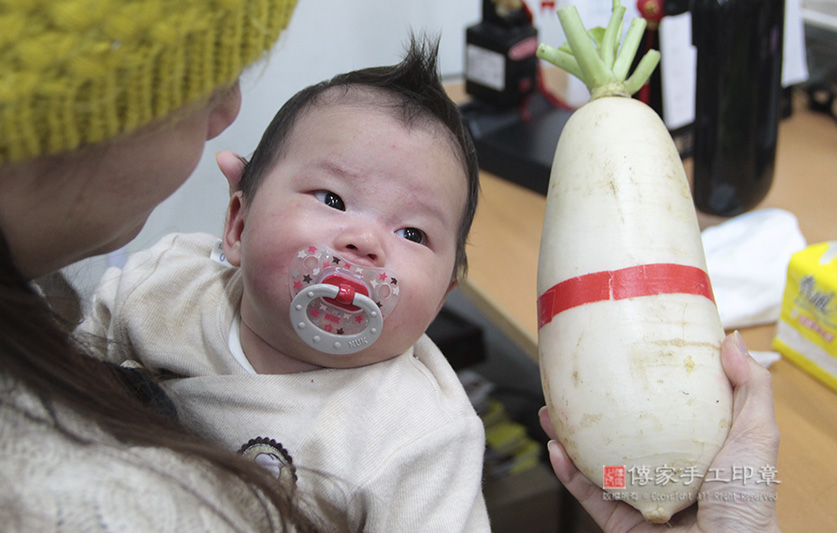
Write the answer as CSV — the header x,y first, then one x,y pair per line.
x,y
807,324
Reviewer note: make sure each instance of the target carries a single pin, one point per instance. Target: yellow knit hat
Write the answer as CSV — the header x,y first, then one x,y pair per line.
x,y
76,72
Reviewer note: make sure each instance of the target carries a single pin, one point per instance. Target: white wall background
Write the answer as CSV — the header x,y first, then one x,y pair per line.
x,y
324,38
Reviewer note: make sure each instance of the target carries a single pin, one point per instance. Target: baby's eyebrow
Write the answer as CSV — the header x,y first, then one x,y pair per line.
x,y
432,208
331,166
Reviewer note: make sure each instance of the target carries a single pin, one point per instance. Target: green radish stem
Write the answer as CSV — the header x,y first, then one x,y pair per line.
x,y
595,57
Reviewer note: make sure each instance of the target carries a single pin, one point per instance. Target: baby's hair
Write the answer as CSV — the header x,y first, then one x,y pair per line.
x,y
416,95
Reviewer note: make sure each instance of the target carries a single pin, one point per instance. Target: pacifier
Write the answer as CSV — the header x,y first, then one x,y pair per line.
x,y
339,307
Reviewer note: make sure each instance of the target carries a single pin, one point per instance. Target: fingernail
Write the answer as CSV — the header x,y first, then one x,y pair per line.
x,y
554,449
541,410
739,343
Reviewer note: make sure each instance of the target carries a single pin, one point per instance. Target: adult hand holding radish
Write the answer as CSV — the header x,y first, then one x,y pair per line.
x,y
629,335
753,440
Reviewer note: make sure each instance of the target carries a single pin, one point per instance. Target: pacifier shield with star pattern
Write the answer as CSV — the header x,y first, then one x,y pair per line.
x,y
338,307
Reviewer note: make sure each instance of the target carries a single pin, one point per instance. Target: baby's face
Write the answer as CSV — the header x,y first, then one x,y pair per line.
x,y
355,179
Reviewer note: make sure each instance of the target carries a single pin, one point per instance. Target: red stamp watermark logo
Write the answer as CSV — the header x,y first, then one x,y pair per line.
x,y
614,477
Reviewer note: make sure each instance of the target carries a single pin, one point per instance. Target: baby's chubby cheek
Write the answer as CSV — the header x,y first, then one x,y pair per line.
x,y
409,320
267,287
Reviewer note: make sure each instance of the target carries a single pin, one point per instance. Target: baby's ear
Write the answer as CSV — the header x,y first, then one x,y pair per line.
x,y
233,228
232,167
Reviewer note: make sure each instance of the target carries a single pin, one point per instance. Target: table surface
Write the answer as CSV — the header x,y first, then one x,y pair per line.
x,y
503,256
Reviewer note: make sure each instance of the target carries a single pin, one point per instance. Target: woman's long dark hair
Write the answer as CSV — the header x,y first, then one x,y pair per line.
x,y
38,351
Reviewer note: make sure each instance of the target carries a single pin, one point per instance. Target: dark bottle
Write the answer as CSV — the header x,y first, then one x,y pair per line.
x,y
500,61
651,93
737,106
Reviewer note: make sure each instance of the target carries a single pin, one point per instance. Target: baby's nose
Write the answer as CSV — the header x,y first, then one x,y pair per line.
x,y
364,246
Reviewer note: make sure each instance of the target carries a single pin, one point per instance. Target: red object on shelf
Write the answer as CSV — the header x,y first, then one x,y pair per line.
x,y
651,10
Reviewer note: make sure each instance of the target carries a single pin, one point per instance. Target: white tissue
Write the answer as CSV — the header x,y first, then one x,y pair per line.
x,y
747,261
765,359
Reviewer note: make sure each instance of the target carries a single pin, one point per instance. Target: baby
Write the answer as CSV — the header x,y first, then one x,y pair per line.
x,y
298,340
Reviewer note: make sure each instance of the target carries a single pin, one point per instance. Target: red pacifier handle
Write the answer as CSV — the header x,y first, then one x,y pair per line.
x,y
345,294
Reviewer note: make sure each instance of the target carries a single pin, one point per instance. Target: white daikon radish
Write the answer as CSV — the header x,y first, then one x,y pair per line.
x,y
629,334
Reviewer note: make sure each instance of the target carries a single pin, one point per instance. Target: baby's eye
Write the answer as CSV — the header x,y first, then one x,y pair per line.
x,y
413,234
330,199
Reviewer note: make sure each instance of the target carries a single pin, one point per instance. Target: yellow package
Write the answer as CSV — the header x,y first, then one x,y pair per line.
x,y
808,321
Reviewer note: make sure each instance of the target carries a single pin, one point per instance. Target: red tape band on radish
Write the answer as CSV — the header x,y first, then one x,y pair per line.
x,y
631,282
